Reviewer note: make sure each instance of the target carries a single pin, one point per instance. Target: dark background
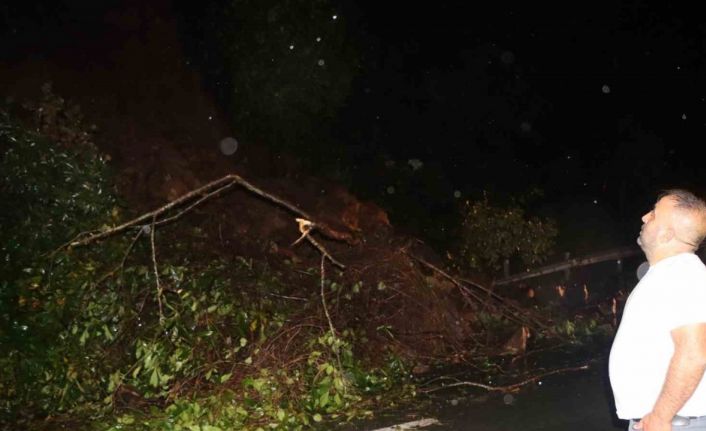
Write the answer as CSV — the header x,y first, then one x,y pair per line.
x,y
586,109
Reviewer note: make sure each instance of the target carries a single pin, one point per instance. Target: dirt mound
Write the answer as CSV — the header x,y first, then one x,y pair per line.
x,y
162,132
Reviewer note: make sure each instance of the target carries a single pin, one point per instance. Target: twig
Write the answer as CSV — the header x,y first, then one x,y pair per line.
x,y
293,298
121,266
328,316
150,215
156,272
195,204
517,312
305,227
206,192
508,388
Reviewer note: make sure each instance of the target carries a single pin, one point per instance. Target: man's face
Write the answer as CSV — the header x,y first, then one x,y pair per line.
x,y
655,222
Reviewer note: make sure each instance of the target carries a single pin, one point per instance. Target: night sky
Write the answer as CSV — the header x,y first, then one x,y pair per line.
x,y
601,86
598,104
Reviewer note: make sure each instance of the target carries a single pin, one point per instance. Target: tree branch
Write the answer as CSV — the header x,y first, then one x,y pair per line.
x,y
507,388
202,194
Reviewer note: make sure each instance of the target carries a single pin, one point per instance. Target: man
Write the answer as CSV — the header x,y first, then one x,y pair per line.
x,y
658,358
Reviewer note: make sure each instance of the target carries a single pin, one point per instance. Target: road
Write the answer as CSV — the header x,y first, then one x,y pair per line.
x,y
576,401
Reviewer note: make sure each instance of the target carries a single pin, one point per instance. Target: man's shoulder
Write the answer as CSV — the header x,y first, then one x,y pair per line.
x,y
689,273
684,261
690,261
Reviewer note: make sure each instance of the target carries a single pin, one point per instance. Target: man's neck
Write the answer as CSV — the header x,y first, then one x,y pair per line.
x,y
659,255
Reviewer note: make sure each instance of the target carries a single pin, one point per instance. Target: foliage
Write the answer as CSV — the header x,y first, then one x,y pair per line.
x,y
81,333
587,331
48,195
491,234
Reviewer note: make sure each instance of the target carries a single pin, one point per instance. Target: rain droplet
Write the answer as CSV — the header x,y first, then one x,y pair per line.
x,y
321,62
457,194
291,47
318,39
390,190
228,146
683,116
507,57
605,89
335,17
508,399
526,127
415,164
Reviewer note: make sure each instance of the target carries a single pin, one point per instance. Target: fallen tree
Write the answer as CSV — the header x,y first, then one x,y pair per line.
x,y
116,317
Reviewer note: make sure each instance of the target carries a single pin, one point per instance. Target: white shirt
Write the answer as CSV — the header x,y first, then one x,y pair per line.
x,y
671,294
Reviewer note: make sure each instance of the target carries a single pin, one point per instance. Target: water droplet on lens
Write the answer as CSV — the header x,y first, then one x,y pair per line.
x,y
228,146
507,57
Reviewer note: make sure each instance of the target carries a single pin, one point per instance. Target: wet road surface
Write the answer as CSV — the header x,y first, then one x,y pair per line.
x,y
574,401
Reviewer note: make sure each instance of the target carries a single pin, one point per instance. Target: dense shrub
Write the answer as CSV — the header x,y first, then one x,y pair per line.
x,y
491,234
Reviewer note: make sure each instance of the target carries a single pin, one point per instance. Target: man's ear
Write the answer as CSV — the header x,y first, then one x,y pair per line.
x,y
667,235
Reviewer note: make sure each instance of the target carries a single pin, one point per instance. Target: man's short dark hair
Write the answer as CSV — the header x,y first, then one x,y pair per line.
x,y
684,199
688,201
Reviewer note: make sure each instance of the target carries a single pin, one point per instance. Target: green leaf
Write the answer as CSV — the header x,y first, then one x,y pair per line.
x,y
323,399
154,378
108,335
258,384
226,377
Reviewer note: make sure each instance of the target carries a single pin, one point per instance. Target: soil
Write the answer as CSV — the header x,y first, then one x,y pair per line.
x,y
161,131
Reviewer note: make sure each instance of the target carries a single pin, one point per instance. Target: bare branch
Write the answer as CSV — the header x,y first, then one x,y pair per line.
x,y
204,193
511,311
156,272
507,388
305,227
